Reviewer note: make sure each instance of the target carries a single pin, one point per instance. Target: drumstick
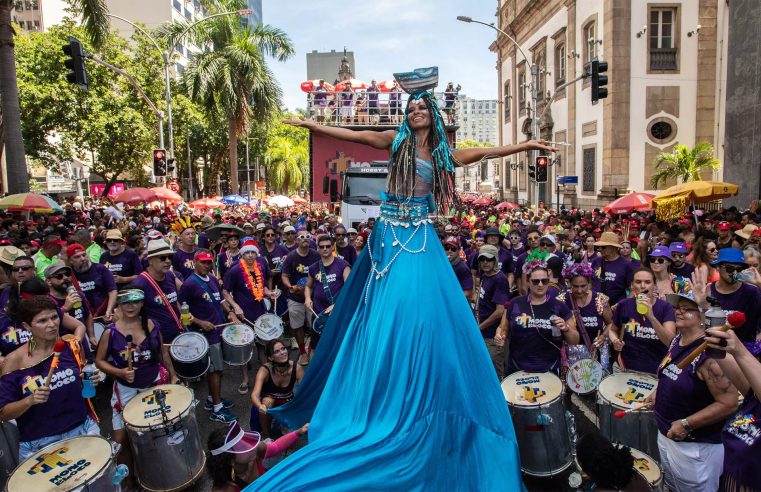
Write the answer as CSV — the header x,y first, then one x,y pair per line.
x,y
129,352
315,314
59,347
277,294
174,345
733,321
620,414
224,324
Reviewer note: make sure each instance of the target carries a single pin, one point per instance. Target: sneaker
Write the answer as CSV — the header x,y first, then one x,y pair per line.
x,y
294,344
223,416
243,388
304,360
208,405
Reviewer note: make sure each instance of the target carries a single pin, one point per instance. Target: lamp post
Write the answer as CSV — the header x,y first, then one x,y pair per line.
x,y
248,169
167,57
534,85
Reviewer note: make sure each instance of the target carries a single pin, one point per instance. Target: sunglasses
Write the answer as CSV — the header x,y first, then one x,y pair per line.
x,y
325,246
484,259
340,235
304,236
712,250
533,238
537,281
451,248
21,268
730,269
684,309
290,233
164,257
352,233
660,261
269,235
113,240
678,256
61,276
545,245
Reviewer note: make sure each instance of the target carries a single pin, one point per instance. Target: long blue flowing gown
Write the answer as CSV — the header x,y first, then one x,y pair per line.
x,y
401,394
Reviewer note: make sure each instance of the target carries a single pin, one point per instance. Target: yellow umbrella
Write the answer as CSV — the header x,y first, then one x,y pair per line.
x,y
671,202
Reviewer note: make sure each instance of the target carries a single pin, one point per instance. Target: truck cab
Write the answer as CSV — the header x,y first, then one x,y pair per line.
x,y
360,195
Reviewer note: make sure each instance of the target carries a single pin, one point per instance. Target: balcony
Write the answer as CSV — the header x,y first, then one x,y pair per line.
x,y
663,58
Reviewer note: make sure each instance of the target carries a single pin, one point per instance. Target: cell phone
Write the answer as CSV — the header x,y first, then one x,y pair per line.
x,y
757,232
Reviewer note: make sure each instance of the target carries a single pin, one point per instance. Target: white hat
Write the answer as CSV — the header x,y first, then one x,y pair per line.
x,y
351,230
551,238
261,226
289,229
158,247
448,227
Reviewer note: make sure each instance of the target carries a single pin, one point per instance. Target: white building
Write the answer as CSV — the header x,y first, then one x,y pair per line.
x,y
667,80
478,120
37,15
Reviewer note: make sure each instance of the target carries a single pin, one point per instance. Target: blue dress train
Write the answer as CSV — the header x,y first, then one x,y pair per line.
x,y
401,393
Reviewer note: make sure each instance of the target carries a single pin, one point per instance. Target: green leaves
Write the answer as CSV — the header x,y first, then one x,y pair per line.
x,y
684,164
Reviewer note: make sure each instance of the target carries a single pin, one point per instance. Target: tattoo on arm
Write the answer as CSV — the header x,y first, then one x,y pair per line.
x,y
716,377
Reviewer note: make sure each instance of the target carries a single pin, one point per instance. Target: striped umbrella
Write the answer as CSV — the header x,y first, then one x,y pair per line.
x,y
29,202
167,195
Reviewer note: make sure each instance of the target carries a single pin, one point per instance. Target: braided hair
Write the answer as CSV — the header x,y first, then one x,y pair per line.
x,y
403,171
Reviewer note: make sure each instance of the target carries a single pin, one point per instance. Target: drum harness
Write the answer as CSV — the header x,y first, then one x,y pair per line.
x,y
194,276
94,312
164,300
326,288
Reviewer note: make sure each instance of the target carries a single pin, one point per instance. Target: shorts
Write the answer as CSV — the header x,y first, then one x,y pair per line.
x,y
374,110
298,314
88,428
215,358
346,111
395,109
125,394
320,110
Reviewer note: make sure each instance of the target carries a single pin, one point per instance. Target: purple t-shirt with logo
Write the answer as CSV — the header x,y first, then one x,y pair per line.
x,y
463,274
226,261
320,98
201,305
96,283
65,409
685,271
291,248
145,371
335,279
235,284
740,438
183,262
346,253
79,313
504,263
532,347
347,96
618,274
125,264
297,267
372,96
494,291
746,299
643,351
154,305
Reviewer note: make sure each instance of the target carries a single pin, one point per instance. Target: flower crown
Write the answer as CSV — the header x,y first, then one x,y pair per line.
x,y
535,260
578,270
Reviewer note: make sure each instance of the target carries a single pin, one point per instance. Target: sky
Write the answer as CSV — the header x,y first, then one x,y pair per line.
x,y
389,36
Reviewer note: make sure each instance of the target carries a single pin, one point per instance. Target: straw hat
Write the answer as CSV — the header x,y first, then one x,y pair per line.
x,y
114,234
746,231
158,247
9,254
609,239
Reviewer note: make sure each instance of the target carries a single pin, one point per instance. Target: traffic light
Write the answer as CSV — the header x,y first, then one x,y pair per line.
x,y
541,169
159,162
599,81
532,171
75,63
169,166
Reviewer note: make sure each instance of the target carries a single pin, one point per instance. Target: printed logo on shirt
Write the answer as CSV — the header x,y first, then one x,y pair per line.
x,y
114,267
302,269
638,331
526,321
60,378
671,371
330,277
79,313
188,264
665,361
742,427
30,383
138,354
589,321
522,320
16,336
172,297
85,286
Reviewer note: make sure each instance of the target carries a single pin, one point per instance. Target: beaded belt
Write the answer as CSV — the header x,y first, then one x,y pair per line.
x,y
404,211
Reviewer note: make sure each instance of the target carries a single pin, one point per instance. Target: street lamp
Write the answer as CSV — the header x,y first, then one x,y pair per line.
x,y
167,57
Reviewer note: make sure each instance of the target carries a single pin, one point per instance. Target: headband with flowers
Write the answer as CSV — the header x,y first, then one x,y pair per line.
x,y
537,259
578,270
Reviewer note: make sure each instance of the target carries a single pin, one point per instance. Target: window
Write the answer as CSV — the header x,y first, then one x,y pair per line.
x,y
541,74
188,15
177,5
661,130
522,91
663,51
590,43
484,171
35,5
28,25
559,65
180,68
36,25
589,169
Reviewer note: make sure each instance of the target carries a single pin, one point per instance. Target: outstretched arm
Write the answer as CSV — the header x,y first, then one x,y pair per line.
x,y
475,154
378,140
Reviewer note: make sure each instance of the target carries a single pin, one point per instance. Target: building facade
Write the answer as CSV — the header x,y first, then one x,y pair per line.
x,y
666,73
254,18
37,15
326,66
478,120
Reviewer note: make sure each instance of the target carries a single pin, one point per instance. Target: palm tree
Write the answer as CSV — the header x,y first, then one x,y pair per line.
x,y
232,78
96,25
288,164
684,164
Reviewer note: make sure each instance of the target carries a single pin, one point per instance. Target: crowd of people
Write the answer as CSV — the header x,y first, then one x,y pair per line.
x,y
545,287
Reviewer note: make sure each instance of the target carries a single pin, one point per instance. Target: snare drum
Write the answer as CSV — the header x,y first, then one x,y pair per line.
x,y
80,463
649,469
193,361
268,327
637,429
589,374
168,454
537,408
237,345
98,329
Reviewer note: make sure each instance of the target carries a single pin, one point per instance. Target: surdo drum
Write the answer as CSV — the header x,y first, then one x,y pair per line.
x,y
648,468
85,463
268,327
237,345
637,429
543,432
163,434
192,361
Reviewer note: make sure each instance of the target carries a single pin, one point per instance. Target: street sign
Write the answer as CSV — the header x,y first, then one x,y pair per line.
x,y
568,180
174,186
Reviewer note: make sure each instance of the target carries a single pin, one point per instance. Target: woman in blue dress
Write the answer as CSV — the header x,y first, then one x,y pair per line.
x,y
402,394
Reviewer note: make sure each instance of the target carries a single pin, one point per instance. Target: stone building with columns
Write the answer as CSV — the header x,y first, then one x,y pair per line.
x,y
667,85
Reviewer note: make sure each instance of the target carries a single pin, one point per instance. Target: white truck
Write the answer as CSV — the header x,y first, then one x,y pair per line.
x,y
360,196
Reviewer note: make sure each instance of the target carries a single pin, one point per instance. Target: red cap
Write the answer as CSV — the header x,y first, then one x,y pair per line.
x,y
723,226
74,249
204,257
737,226
597,230
31,223
455,241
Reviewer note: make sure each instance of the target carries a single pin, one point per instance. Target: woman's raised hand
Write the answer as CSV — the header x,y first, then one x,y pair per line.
x,y
539,145
301,122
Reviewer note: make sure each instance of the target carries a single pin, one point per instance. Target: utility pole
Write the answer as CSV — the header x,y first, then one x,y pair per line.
x,y
190,168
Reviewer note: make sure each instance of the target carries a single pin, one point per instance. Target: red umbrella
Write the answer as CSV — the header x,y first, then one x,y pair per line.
x,y
167,195
309,85
386,85
506,206
206,203
469,198
483,201
355,84
136,196
639,202
298,200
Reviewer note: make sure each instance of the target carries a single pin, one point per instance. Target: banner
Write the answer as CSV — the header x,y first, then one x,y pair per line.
x,y
97,190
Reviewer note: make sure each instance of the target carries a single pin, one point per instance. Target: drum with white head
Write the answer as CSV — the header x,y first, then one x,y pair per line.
x,y
237,344
648,468
268,327
190,355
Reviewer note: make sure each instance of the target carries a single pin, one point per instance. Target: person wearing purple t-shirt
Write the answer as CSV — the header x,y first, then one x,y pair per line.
x,y
461,270
347,104
536,325
618,271
490,304
679,265
372,102
296,267
123,263
202,293
94,280
229,257
505,259
395,103
320,102
642,339
532,242
58,278
159,275
44,414
185,252
343,249
289,234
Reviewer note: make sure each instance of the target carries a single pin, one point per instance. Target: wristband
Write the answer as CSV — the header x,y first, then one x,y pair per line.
x,y
686,425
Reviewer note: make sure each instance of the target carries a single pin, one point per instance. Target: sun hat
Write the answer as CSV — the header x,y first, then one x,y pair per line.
x,y
662,251
550,238
493,231
609,239
114,234
488,251
678,248
681,290
746,231
289,229
9,254
206,222
158,247
730,255
351,230
238,441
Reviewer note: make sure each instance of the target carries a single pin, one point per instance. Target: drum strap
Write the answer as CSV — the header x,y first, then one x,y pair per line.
x,y
208,291
94,312
325,286
580,323
164,300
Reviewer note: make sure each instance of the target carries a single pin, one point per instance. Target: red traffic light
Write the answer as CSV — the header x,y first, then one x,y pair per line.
x,y
541,161
158,154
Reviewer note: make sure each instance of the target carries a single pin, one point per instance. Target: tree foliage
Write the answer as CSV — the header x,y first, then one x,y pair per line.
x,y
684,163
468,144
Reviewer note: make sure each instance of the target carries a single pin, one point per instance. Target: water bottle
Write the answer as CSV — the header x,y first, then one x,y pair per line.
x,y
556,333
88,390
743,276
120,474
715,318
185,311
77,304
